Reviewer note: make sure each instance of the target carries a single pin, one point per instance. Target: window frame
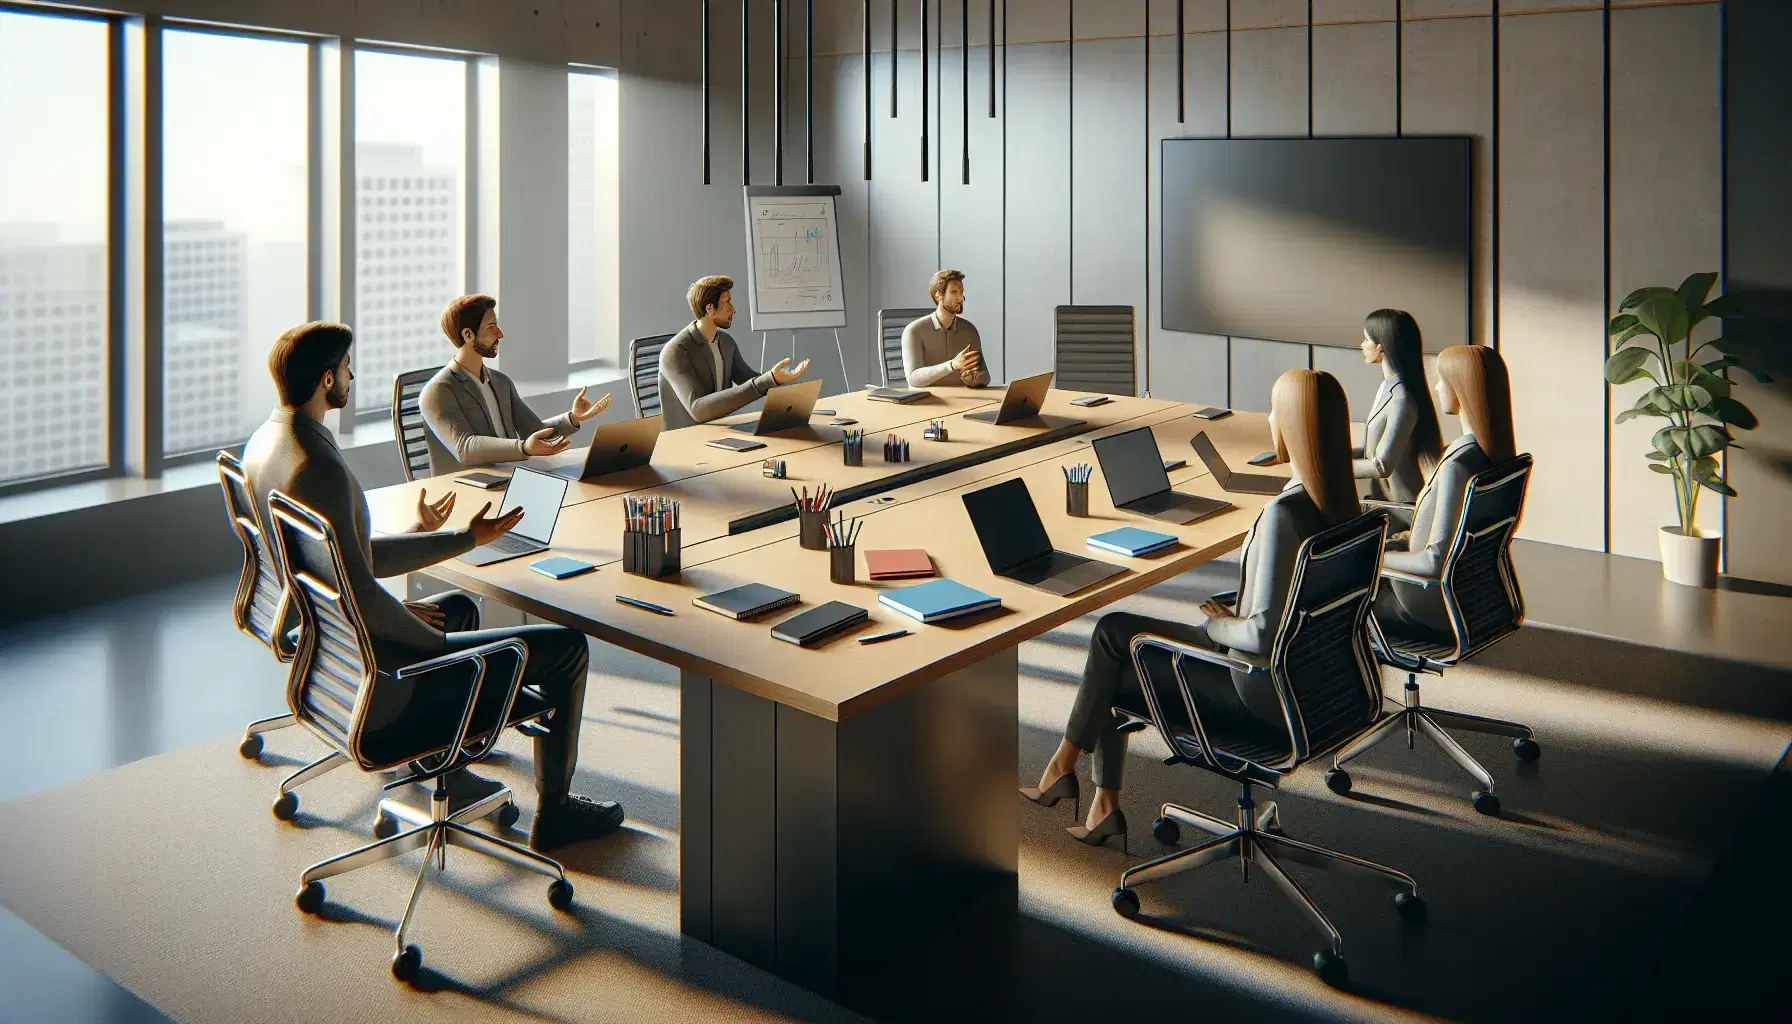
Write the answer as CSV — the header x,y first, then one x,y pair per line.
x,y
621,355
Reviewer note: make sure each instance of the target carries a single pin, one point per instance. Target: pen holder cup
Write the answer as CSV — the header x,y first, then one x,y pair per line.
x,y
1076,499
652,555
854,453
813,527
842,566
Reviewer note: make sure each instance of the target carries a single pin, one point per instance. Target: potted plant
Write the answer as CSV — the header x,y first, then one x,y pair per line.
x,y
1652,340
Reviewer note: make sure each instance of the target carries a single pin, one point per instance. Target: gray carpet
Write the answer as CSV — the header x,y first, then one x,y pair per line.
x,y
169,875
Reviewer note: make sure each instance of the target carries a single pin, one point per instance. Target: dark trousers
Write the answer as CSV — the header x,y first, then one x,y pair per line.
x,y
1110,680
554,668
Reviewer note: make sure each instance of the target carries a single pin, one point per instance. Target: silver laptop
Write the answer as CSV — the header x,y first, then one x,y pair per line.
x,y
1240,483
1015,543
1023,399
1137,482
539,496
616,447
786,407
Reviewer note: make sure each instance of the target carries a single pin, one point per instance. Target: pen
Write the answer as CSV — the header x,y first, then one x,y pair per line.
x,y
646,606
891,635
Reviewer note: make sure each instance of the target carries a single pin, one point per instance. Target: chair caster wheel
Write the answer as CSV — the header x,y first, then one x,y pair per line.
x,y
385,827
310,897
1526,748
1126,903
1338,781
1411,907
406,963
560,894
287,806
1486,803
1331,968
508,814
1167,831
250,748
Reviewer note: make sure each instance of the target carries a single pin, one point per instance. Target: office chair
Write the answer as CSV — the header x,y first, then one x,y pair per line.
x,y
1094,349
260,605
644,373
373,717
408,428
1326,678
890,324
1481,595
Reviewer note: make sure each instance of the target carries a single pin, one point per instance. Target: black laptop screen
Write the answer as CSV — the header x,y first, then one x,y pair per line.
x,y
1132,466
1007,524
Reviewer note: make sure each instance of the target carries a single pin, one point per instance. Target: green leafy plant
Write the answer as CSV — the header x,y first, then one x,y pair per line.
x,y
1652,340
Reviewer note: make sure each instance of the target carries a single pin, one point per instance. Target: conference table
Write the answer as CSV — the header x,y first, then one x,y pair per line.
x,y
837,797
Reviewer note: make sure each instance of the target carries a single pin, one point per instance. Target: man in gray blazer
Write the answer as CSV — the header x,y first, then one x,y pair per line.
x,y
474,415
294,453
702,374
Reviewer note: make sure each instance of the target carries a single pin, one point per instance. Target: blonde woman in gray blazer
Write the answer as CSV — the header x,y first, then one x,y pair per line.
x,y
1401,441
1310,424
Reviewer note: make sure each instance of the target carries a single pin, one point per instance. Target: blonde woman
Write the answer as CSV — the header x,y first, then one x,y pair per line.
x,y
1309,423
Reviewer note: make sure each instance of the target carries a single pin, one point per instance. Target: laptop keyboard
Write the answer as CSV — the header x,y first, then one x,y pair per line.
x,y
511,544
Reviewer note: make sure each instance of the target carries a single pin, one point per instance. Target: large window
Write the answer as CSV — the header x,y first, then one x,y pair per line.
x,y
593,196
410,236
54,131
235,227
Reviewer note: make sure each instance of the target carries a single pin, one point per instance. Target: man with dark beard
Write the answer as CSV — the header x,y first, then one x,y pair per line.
x,y
474,415
702,374
295,454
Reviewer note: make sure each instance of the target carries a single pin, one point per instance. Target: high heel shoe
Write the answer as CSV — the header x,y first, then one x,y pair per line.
x,y
1063,789
1112,825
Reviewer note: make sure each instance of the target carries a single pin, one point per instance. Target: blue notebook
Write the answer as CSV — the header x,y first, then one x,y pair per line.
x,y
1131,541
938,600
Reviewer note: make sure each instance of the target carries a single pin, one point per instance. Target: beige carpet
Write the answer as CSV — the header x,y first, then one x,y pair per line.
x,y
170,876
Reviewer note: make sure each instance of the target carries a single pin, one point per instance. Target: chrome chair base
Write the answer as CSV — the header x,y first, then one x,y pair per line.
x,y
1256,838
251,745
1431,722
442,830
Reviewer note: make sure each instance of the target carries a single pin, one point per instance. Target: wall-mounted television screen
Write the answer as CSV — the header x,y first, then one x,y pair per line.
x,y
1300,239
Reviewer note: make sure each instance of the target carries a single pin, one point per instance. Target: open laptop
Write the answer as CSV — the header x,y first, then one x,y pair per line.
x,y
616,447
1015,543
1240,483
1137,482
1024,398
786,406
539,496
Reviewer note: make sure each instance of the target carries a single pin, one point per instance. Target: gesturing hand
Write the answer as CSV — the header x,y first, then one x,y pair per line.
x,y
432,514
784,373
545,442
1216,610
486,529
968,359
430,614
583,409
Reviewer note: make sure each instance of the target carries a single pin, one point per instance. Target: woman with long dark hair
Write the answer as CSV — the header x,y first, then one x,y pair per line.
x,y
1401,440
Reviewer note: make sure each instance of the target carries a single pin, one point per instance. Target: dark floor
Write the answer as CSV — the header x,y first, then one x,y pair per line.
x,y
158,673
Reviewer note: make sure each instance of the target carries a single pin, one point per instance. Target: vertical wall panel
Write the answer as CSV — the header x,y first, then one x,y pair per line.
x,y
1666,189
1552,325
1037,223
1255,367
1353,79
971,216
904,209
1360,379
1269,81
1108,203
839,137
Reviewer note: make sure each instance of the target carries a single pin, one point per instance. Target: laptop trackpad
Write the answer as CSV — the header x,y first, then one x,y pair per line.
x,y
1086,575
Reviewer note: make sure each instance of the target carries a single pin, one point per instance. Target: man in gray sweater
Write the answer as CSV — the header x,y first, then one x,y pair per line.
x,y
943,347
702,374
295,454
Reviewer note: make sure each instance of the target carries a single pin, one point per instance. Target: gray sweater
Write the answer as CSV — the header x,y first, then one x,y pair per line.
x,y
689,391
461,433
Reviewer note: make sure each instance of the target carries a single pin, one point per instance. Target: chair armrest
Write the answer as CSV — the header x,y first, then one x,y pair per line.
x,y
1226,597
1206,755
1391,506
458,753
1425,582
1237,663
1379,642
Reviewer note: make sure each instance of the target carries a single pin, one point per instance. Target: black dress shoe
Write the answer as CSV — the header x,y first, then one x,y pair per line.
x,y
573,820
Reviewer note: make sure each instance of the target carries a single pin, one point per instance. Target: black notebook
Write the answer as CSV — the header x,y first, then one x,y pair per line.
x,y
818,625
745,602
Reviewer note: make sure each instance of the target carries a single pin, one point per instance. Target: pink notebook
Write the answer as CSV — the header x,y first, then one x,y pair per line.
x,y
898,564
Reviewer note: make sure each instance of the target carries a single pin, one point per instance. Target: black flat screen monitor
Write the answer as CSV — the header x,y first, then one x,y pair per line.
x,y
1300,239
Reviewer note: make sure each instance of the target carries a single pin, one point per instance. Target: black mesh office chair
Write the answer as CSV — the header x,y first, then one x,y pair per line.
x,y
260,604
408,428
1481,595
644,373
1093,349
890,324
378,720
1326,676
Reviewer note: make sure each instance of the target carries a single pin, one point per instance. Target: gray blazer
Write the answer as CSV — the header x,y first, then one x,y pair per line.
x,y
1434,520
297,456
688,374
461,433
1388,453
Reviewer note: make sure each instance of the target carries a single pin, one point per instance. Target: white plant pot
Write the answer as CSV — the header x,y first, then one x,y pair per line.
x,y
1689,560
